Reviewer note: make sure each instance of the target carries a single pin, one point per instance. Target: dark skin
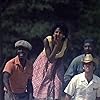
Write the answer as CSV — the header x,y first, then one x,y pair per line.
x,y
22,54
6,77
56,44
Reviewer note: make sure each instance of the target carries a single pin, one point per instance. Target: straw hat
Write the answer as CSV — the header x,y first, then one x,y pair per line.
x,y
88,58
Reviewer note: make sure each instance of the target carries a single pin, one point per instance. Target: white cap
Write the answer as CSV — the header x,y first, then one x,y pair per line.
x,y
23,43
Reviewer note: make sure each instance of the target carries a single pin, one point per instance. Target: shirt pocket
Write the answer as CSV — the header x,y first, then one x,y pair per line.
x,y
91,93
81,90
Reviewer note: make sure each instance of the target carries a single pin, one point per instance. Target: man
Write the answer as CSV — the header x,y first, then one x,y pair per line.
x,y
17,74
76,65
86,85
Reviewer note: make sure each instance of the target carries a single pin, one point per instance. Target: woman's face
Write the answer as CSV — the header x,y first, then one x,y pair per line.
x,y
58,34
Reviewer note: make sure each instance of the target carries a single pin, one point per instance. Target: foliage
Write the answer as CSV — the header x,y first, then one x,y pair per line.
x,y
25,19
90,20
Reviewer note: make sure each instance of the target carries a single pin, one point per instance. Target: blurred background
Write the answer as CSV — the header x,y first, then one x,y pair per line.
x,y
32,20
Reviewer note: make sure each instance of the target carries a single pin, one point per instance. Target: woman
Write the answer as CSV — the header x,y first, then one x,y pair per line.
x,y
48,69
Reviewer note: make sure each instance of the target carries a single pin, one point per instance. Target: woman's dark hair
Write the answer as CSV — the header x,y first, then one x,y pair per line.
x,y
63,28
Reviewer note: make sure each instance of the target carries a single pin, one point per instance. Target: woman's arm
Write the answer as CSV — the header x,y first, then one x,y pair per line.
x,y
50,53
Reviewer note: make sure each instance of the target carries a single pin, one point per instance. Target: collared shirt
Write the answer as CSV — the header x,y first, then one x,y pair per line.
x,y
19,76
76,67
80,89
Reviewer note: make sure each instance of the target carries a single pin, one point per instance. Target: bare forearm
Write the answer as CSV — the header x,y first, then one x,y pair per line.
x,y
7,85
6,77
50,53
53,53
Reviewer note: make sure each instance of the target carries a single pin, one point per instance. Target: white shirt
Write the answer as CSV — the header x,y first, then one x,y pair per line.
x,y
80,89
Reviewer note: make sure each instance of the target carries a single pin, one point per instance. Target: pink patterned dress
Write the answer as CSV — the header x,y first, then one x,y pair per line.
x,y
47,78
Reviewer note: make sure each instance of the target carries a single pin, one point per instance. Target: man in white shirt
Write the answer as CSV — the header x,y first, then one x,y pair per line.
x,y
86,85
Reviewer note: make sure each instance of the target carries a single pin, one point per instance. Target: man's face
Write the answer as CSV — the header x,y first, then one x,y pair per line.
x,y
88,48
22,53
88,67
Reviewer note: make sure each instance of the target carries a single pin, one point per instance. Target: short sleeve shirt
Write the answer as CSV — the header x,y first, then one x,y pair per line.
x,y
19,76
80,89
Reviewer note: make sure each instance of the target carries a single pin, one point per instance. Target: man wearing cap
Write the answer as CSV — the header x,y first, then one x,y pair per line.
x,y
86,85
17,73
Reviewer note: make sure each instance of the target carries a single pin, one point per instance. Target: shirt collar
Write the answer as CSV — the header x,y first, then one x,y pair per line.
x,y
84,79
94,79
17,62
